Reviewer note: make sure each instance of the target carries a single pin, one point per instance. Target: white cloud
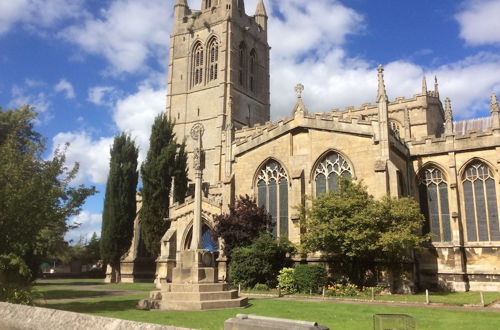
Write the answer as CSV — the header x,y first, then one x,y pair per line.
x,y
27,95
65,86
102,95
89,223
127,34
480,22
333,78
133,114
37,13
92,155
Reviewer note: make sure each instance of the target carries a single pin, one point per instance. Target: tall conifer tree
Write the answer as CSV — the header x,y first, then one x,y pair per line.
x,y
119,203
157,172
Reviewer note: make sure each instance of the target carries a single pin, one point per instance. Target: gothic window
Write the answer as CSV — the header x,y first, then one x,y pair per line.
x,y
209,4
253,70
242,72
213,49
197,65
272,193
328,170
395,128
433,190
480,198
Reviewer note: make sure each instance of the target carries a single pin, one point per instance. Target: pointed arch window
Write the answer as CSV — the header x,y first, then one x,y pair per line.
x,y
253,70
395,128
272,193
197,65
242,72
213,49
480,199
434,203
328,170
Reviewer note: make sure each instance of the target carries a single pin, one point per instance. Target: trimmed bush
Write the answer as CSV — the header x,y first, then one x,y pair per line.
x,y
310,278
260,262
261,287
286,281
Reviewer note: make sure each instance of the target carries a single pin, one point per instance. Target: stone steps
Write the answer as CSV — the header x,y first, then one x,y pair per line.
x,y
199,287
200,296
203,305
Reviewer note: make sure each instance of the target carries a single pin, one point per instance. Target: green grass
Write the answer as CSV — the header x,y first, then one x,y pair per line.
x,y
448,298
67,294
331,314
98,283
129,287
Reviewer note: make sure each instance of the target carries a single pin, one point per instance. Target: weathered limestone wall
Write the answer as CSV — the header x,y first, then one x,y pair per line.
x,y
18,317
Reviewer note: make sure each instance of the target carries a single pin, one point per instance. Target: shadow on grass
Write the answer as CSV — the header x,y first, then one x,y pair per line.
x,y
69,294
92,307
67,283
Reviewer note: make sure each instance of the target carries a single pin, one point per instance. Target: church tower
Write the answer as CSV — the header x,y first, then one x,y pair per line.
x,y
218,74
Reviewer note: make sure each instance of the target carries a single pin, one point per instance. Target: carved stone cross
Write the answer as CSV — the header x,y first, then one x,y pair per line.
x,y
299,89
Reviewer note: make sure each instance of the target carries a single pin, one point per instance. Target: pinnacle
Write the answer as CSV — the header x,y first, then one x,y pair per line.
x,y
261,9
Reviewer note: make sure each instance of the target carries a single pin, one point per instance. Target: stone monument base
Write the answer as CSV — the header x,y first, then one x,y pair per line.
x,y
194,286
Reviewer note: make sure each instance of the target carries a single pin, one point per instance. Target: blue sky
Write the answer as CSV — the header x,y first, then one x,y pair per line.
x,y
94,68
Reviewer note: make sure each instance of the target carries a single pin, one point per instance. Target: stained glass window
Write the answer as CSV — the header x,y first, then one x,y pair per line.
x,y
328,170
434,204
272,193
480,199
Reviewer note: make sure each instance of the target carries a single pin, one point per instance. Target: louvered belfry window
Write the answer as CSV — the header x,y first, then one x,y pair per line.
x,y
480,199
272,193
197,65
328,171
213,59
434,204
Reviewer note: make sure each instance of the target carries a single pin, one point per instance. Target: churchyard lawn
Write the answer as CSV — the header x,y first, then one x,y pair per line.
x,y
332,313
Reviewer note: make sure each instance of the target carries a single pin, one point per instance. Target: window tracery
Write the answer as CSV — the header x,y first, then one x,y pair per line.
x,y
328,170
253,70
213,59
395,128
197,65
272,193
480,199
434,203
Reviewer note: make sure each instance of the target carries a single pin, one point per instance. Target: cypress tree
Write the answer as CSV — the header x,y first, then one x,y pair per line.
x,y
181,178
119,203
156,172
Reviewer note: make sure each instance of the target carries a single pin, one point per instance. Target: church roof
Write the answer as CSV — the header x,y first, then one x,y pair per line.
x,y
476,124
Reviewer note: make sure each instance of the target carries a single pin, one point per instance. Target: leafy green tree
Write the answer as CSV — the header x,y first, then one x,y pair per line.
x,y
36,195
165,159
354,229
119,203
242,225
260,262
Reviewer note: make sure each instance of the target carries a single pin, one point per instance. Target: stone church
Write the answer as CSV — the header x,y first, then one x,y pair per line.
x,y
219,80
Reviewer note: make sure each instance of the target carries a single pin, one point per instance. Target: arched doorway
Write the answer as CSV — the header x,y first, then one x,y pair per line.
x,y
207,242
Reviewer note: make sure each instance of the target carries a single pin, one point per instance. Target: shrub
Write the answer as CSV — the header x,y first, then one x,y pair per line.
x,y
286,281
261,287
310,278
260,262
15,285
343,290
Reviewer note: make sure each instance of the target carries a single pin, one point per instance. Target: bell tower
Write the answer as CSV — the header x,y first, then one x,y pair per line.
x,y
218,74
